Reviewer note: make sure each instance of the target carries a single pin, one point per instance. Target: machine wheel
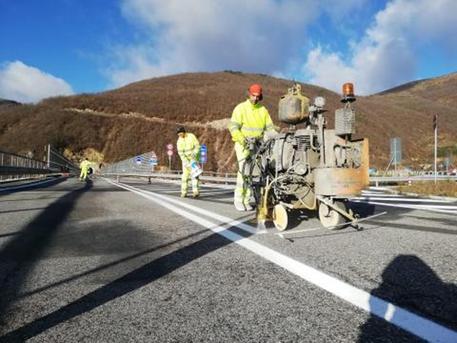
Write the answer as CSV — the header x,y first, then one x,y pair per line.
x,y
329,217
280,217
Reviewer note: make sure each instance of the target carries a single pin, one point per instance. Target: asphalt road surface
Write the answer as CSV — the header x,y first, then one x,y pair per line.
x,y
133,262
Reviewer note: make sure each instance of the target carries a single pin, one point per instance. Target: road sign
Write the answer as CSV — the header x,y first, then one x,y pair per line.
x,y
169,146
435,121
203,153
170,153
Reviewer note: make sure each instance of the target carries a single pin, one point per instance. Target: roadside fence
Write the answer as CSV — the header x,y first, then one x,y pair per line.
x,y
18,167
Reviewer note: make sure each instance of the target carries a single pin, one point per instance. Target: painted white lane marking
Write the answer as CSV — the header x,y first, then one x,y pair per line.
x,y
379,194
419,326
382,189
211,214
413,207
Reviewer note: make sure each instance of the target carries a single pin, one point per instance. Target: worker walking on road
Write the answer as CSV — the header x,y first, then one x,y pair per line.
x,y
250,119
84,166
188,150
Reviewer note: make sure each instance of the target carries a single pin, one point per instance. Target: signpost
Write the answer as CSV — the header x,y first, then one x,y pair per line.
x,y
169,153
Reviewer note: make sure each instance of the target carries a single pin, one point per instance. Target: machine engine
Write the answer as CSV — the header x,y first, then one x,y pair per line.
x,y
311,167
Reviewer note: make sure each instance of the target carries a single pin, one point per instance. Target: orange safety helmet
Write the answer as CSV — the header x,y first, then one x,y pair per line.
x,y
255,89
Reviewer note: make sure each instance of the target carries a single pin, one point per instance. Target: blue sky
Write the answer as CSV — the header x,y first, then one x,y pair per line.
x,y
60,47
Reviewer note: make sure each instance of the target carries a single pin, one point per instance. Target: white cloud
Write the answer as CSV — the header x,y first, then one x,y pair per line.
x,y
207,35
389,52
24,83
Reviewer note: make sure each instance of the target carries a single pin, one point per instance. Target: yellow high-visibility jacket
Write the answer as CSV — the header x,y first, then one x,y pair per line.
x,y
249,120
85,165
188,147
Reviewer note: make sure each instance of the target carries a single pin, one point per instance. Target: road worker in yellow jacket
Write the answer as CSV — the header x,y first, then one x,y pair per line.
x,y
84,166
250,119
188,150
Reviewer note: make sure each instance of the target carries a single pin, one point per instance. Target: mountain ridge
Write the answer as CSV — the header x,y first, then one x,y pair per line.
x,y
142,116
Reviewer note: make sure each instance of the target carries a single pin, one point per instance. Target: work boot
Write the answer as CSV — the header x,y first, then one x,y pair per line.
x,y
239,206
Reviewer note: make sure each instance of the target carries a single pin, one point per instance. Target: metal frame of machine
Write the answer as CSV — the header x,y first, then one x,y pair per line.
x,y
311,168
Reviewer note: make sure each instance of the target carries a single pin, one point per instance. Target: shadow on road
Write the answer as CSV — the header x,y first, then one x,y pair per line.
x,y
22,252
31,186
410,283
121,286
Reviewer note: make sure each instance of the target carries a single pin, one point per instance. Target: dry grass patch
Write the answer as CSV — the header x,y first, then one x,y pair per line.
x,y
441,188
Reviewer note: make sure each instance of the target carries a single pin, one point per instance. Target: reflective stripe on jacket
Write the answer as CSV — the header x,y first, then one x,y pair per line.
x,y
188,147
249,120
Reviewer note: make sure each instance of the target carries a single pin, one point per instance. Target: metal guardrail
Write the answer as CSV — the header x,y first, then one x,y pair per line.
x,y
412,178
143,166
58,163
17,167
230,178
10,162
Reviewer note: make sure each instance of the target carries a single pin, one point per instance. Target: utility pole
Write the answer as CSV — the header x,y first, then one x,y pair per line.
x,y
435,128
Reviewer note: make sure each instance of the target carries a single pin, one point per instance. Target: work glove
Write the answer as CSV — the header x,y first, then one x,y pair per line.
x,y
269,135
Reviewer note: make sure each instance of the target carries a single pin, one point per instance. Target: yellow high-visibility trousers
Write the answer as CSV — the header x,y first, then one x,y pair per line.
x,y
185,178
83,174
243,187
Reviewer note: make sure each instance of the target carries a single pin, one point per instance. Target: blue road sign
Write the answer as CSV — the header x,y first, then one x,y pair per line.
x,y
203,153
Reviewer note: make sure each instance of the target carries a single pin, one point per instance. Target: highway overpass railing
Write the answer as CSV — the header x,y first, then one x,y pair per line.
x,y
143,166
18,167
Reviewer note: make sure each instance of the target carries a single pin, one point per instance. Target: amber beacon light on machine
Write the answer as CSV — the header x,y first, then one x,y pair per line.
x,y
308,166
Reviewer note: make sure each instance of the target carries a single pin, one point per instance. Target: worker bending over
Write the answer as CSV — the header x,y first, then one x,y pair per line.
x,y
188,150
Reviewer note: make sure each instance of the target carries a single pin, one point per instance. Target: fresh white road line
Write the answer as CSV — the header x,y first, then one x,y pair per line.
x,y
382,189
417,325
206,184
211,214
413,207
379,194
